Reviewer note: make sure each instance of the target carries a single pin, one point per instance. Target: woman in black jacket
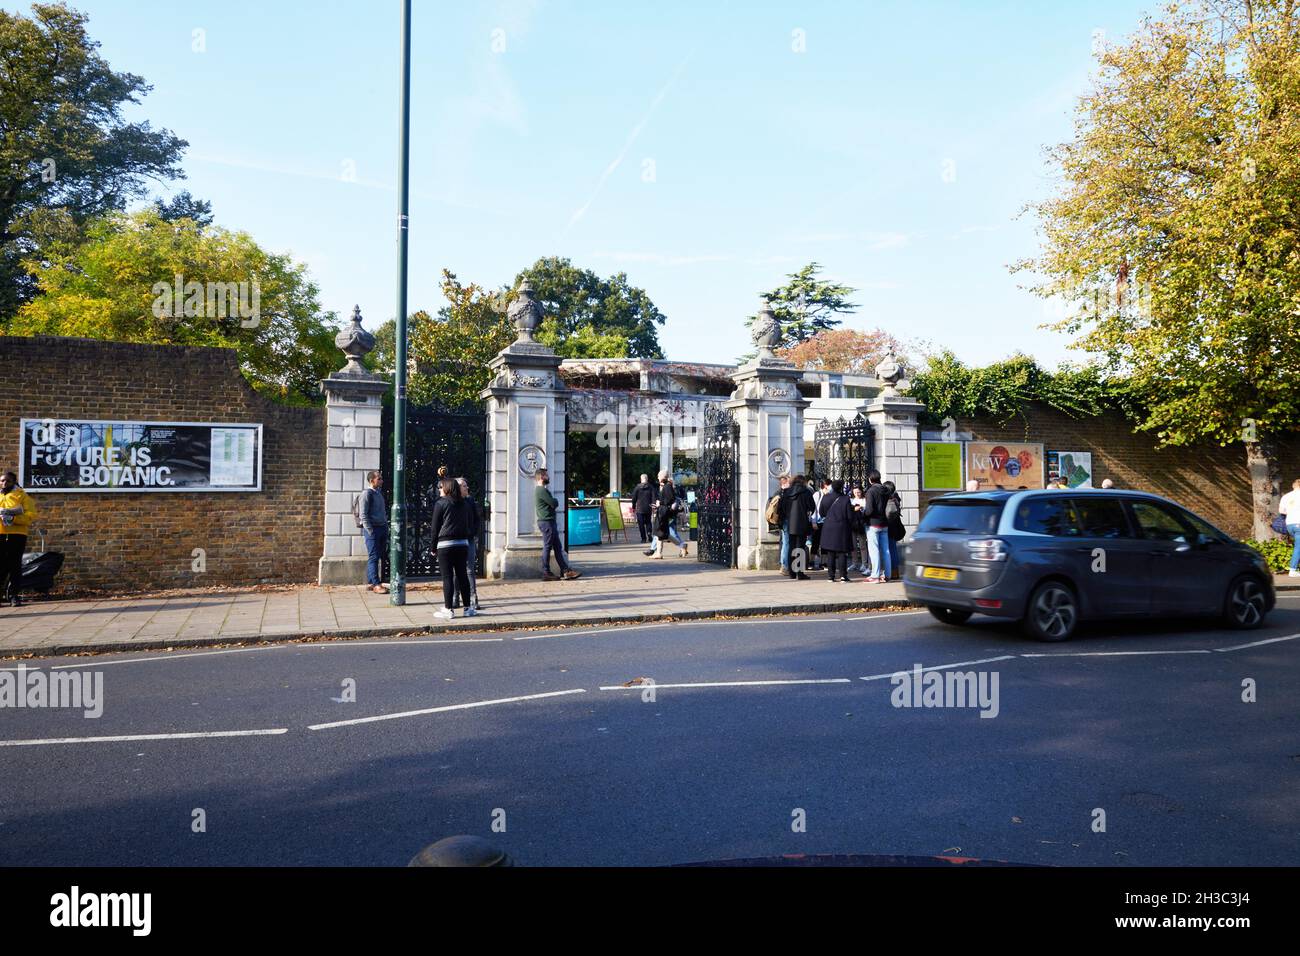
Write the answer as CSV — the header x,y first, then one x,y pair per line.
x,y
666,518
796,510
837,530
453,525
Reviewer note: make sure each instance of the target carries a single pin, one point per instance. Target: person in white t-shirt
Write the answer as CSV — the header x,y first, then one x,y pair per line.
x,y
1289,508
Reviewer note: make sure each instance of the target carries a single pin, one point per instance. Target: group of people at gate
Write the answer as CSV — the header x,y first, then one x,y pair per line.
x,y
842,530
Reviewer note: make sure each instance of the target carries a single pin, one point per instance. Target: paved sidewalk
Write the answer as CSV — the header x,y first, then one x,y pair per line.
x,y
619,585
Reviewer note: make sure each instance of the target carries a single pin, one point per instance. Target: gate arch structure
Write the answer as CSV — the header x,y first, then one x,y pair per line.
x,y
842,449
718,498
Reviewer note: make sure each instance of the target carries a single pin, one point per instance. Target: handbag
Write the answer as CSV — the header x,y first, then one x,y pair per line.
x,y
1279,524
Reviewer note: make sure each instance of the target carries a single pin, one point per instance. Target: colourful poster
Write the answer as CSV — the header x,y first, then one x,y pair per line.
x,y
941,466
1004,464
1071,468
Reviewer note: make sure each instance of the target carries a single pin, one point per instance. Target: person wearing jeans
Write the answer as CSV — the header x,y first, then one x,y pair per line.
x,y
877,529
1289,508
546,504
372,512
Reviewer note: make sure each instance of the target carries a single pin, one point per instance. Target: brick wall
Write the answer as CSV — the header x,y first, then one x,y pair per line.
x,y
128,541
1210,480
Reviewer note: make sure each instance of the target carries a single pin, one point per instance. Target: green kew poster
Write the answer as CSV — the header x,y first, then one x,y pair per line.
x,y
941,466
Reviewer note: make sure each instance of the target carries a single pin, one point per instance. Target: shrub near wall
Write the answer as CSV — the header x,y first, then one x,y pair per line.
x,y
139,540
1210,480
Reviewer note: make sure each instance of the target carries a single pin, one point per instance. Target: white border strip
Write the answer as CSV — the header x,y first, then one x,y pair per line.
x,y
940,667
735,683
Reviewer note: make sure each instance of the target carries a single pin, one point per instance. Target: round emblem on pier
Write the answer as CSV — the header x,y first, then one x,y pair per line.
x,y
778,463
531,458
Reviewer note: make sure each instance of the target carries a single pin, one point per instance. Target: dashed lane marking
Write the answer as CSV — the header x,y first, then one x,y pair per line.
x,y
733,683
132,737
443,710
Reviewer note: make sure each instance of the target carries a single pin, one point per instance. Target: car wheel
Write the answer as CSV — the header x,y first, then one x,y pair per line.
x,y
949,615
1245,606
1053,612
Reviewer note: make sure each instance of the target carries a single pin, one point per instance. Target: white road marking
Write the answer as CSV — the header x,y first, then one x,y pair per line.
x,y
878,616
939,667
1242,647
734,683
126,737
580,633
443,710
1116,653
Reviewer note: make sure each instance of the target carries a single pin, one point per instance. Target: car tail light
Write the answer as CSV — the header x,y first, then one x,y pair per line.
x,y
987,602
987,549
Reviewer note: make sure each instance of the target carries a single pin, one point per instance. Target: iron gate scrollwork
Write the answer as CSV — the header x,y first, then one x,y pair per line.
x,y
436,436
842,449
718,503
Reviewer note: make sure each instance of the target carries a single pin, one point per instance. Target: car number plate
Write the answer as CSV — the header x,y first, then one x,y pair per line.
x,y
940,574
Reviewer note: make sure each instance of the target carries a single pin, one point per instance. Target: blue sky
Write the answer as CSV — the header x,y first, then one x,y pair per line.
x,y
691,145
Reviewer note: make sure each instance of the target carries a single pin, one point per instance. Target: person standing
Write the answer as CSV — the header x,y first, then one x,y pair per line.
x,y
897,530
643,501
1289,508
799,510
547,504
471,559
783,520
666,518
372,512
452,524
823,489
16,513
877,530
836,512
858,556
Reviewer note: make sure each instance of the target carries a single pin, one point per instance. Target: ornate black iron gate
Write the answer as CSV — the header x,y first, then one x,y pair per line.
x,y
436,436
842,449
718,502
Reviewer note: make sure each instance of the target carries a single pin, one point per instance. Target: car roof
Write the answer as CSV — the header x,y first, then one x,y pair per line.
x,y
1001,495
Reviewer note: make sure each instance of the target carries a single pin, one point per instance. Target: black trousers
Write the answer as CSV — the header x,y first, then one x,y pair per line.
x,y
644,526
837,564
453,561
12,547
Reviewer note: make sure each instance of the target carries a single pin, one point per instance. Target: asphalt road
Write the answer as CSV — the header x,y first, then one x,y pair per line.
x,y
1144,722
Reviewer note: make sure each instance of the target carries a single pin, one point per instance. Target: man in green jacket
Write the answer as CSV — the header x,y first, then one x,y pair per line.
x,y
546,505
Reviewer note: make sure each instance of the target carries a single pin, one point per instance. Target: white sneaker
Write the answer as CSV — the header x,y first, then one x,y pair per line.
x,y
470,612
445,613
1293,574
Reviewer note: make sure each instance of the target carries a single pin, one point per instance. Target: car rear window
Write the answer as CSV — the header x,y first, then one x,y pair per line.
x,y
962,516
1046,516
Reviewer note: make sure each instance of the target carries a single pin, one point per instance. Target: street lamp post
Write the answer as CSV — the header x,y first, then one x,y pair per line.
x,y
397,549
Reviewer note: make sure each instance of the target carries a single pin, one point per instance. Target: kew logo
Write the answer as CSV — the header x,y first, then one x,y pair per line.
x,y
212,300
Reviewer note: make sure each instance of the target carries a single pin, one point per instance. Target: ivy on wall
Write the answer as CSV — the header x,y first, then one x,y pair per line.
x,y
1000,391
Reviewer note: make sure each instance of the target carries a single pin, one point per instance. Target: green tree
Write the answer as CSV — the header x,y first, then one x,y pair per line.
x,y
807,305
1175,232
64,144
119,283
591,317
184,206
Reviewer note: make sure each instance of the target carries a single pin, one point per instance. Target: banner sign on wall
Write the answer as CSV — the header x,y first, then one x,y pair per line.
x,y
1071,468
1009,465
72,455
941,466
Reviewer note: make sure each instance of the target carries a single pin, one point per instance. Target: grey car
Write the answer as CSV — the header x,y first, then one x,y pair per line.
x,y
1054,558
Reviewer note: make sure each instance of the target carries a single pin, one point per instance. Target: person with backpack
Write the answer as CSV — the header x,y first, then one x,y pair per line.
x,y
370,512
796,511
836,513
877,530
897,530
775,514
16,513
666,518
452,526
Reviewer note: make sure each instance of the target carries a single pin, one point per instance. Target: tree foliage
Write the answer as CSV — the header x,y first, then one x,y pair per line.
x,y
64,144
109,284
842,350
949,388
806,305
1177,230
591,317
184,206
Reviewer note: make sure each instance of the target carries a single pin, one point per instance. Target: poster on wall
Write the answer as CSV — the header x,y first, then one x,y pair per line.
x,y
1071,468
63,455
1004,464
941,466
